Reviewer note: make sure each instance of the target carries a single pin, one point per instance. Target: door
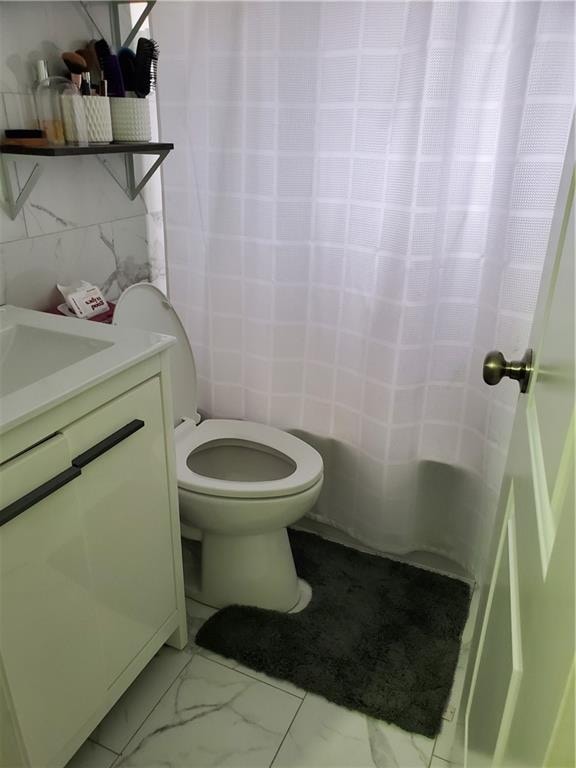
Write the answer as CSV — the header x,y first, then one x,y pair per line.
x,y
126,511
515,711
49,635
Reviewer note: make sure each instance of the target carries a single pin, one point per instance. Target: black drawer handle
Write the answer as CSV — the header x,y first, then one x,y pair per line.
x,y
109,442
38,494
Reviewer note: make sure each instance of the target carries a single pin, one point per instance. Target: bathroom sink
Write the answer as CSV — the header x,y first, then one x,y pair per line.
x,y
45,359
29,354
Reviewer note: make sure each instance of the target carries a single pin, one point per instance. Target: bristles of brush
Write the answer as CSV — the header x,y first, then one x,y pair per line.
x,y
146,66
154,67
76,64
89,55
128,71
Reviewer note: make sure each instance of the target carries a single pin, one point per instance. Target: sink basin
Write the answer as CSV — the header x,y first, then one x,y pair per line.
x,y
46,359
29,354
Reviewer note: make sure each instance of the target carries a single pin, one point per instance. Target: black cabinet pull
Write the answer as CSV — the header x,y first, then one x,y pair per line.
x,y
38,494
75,470
109,442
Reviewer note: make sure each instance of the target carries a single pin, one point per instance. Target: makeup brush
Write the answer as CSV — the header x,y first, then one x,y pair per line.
x,y
76,66
89,55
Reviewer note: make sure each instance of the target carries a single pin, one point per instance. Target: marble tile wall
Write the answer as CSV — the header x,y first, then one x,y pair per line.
x,y
77,223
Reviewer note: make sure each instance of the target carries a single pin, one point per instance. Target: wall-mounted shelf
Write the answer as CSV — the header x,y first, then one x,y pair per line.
x,y
128,149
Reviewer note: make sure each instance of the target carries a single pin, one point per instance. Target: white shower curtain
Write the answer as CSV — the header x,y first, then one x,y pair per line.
x,y
357,210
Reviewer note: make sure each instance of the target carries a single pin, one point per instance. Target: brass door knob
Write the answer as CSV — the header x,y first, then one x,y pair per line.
x,y
496,367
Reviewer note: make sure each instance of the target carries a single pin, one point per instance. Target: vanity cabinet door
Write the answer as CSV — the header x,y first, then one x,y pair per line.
x,y
49,629
125,501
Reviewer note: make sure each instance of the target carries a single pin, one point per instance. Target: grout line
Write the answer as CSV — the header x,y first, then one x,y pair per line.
x,y
140,726
152,709
441,759
286,734
247,674
201,652
108,749
157,701
60,232
204,605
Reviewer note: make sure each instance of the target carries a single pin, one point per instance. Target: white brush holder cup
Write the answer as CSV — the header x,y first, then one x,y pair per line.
x,y
98,119
74,118
86,119
130,119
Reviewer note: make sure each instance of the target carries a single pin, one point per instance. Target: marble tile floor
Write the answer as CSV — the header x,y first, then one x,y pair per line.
x,y
196,709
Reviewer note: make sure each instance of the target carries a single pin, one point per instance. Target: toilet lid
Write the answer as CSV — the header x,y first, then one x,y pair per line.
x,y
144,306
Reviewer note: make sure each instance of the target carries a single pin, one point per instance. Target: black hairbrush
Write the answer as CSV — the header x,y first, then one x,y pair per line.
x,y
146,66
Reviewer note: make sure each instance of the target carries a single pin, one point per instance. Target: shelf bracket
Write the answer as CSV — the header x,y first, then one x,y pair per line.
x,y
91,19
133,188
115,21
14,204
115,24
139,23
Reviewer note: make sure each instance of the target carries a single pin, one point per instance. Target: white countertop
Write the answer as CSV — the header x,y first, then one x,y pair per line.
x,y
40,348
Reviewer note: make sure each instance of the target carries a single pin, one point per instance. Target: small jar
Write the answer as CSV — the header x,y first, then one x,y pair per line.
x,y
73,115
130,119
98,119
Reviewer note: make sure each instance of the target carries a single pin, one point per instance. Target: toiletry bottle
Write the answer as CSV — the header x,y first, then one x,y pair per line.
x,y
47,98
41,71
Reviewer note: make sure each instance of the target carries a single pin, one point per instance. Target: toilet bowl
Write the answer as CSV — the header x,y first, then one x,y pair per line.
x,y
239,482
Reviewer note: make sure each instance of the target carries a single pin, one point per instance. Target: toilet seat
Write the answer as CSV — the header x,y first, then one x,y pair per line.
x,y
144,306
308,463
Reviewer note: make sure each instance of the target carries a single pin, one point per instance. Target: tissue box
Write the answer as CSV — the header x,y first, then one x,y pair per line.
x,y
103,317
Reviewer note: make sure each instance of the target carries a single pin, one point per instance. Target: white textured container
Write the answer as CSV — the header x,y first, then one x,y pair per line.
x,y
98,119
130,119
74,118
86,119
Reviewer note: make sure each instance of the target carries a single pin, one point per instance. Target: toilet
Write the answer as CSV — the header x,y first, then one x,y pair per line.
x,y
240,483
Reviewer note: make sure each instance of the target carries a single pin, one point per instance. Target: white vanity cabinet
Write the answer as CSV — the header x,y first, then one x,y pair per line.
x,y
90,561
48,616
125,510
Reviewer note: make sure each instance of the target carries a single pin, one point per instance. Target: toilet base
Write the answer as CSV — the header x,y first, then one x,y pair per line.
x,y
255,569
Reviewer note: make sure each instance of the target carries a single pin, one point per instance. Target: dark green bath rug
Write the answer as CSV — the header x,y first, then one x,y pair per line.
x,y
379,636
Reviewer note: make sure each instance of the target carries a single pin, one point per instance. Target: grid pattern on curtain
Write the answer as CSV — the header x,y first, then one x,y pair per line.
x,y
356,211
